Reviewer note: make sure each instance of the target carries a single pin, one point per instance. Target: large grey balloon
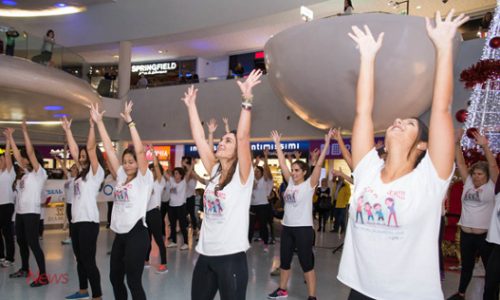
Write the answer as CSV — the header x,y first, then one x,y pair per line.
x,y
314,68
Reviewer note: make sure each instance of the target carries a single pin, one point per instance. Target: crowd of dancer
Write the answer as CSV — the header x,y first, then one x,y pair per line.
x,y
393,221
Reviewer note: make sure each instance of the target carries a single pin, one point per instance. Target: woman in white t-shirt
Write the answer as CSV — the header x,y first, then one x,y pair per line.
x,y
492,277
398,258
177,206
298,232
153,214
84,210
134,183
478,201
69,188
28,207
222,264
107,190
165,198
7,178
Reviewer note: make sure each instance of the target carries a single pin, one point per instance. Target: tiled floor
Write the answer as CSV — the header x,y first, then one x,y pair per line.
x,y
176,284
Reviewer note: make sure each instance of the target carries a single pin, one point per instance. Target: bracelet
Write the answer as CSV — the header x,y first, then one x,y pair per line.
x,y
131,121
247,99
131,124
246,105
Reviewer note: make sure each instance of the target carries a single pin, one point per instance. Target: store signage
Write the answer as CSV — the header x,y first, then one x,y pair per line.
x,y
154,68
163,153
334,150
258,147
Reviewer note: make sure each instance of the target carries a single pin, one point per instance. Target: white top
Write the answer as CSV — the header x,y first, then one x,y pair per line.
x,y
165,195
390,244
494,231
6,180
131,200
477,204
191,187
84,207
261,189
177,192
298,204
30,191
108,188
155,199
69,189
224,229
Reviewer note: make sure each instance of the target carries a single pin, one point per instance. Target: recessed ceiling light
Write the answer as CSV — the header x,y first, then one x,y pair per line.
x,y
116,56
60,4
60,115
53,107
9,2
418,7
160,51
25,13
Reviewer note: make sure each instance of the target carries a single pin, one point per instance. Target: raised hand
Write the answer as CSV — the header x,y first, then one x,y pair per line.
x,y
190,96
336,135
297,154
212,125
251,81
266,153
480,139
443,33
65,123
126,112
314,156
8,132
276,137
329,136
24,127
225,121
368,46
95,114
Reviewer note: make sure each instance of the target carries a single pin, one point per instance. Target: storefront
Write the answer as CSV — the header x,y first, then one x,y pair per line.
x,y
161,73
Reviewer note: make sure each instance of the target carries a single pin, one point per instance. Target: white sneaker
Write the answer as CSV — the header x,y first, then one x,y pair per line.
x,y
6,263
66,241
184,247
172,245
146,265
2,260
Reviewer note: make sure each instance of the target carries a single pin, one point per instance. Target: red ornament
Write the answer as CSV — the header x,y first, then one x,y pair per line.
x,y
495,42
461,115
470,132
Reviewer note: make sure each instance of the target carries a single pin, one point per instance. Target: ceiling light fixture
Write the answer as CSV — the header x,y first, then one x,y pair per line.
x,y
31,122
53,107
9,2
24,13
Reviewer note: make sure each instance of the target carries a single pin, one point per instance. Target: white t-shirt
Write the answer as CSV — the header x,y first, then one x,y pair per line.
x,y
494,231
131,200
69,189
224,229
108,188
177,192
155,199
390,249
298,204
477,204
30,191
6,180
191,187
84,207
261,189
165,195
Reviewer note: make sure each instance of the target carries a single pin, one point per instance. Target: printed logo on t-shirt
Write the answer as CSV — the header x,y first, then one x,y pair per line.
x,y
472,197
76,189
173,190
107,190
377,210
121,193
290,196
213,204
67,184
21,184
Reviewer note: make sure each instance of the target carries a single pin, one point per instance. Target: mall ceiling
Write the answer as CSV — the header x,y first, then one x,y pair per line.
x,y
192,28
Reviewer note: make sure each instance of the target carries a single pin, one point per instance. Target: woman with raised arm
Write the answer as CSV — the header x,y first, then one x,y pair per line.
x,y
153,214
298,232
212,127
177,205
84,211
259,206
28,207
343,149
222,264
478,200
134,183
398,259
7,178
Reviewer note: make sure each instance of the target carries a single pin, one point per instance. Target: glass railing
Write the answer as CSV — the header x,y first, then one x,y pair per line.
x,y
50,54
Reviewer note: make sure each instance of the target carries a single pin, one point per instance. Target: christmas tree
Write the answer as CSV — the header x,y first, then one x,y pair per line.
x,y
483,113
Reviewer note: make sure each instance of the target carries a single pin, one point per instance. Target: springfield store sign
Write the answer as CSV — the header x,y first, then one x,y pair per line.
x,y
154,68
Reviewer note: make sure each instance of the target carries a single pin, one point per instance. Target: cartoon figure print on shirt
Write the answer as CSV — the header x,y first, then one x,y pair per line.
x,y
121,196
213,204
290,196
472,196
370,205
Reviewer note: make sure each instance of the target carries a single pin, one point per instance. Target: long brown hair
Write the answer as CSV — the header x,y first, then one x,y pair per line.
x,y
229,176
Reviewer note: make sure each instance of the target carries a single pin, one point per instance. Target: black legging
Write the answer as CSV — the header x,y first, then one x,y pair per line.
x,y
261,213
178,213
6,232
27,238
164,210
110,211
323,217
227,274
127,258
440,245
84,241
190,206
355,295
470,246
69,217
153,219
302,239
492,278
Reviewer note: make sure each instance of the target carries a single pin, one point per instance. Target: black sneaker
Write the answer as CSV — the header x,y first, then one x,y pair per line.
x,y
19,274
311,298
457,296
40,281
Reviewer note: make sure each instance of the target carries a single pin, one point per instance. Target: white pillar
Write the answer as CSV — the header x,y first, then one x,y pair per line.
x,y
124,68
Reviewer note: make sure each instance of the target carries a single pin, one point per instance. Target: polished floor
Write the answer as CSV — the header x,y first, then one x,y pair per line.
x,y
176,284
